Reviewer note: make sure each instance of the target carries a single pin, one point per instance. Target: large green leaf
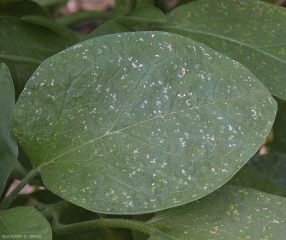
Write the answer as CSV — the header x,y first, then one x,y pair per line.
x,y
231,212
25,223
249,31
137,122
8,146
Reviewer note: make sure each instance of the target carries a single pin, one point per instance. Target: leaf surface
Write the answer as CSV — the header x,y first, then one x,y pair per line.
x,y
249,31
24,222
231,212
8,145
138,122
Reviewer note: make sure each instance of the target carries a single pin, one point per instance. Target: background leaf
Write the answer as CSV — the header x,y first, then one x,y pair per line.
x,y
23,54
25,222
21,8
54,26
279,130
140,17
231,212
74,18
8,146
109,27
146,14
247,177
271,165
249,31
35,44
128,123
20,74
50,3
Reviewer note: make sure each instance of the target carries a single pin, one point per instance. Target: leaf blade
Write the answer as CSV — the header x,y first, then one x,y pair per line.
x,y
8,145
35,45
230,212
149,116
24,222
240,31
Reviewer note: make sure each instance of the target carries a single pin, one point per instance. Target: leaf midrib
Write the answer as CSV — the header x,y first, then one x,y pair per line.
x,y
133,125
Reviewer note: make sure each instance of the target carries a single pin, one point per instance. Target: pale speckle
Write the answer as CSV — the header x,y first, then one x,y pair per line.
x,y
254,113
98,87
183,73
153,161
170,47
131,174
275,221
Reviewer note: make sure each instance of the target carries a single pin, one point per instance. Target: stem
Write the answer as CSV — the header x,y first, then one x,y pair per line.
x,y
6,202
100,223
49,211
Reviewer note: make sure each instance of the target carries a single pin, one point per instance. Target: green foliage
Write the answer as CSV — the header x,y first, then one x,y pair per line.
x,y
25,222
240,30
230,212
144,124
8,146
142,116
